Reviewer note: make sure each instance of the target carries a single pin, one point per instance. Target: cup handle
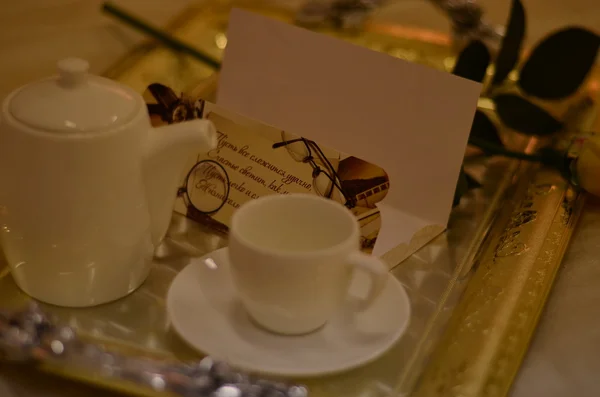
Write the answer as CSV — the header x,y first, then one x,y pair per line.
x,y
378,272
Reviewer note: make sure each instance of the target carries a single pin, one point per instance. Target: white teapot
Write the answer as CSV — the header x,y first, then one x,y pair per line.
x,y
87,186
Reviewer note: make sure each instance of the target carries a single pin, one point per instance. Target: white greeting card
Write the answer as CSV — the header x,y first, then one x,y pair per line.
x,y
411,120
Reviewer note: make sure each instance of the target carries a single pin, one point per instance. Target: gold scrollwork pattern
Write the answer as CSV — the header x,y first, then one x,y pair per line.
x,y
488,334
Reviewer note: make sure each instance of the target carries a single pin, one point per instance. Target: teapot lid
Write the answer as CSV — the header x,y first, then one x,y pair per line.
x,y
74,101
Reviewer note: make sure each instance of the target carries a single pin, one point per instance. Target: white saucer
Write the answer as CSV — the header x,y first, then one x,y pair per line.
x,y
204,310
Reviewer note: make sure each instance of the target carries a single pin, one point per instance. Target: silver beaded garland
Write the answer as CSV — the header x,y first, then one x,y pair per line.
x,y
29,335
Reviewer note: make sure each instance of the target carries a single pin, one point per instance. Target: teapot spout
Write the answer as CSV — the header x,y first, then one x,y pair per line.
x,y
169,149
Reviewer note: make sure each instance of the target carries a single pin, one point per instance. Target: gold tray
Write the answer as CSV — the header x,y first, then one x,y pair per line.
x,y
476,291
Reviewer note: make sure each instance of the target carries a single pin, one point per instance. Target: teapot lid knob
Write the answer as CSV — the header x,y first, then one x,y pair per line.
x,y
74,101
72,71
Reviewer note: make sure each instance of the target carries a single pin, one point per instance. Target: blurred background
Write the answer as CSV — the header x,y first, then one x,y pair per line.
x,y
35,33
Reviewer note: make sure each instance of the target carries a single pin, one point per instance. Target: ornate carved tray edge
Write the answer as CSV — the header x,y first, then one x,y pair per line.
x,y
487,336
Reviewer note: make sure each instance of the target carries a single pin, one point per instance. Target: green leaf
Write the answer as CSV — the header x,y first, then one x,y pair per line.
x,y
560,63
519,114
484,129
508,56
473,62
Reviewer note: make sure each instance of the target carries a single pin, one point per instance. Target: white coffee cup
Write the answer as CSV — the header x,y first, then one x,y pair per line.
x,y
292,259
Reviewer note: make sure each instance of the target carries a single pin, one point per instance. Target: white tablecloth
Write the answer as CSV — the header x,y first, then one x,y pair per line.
x,y
564,359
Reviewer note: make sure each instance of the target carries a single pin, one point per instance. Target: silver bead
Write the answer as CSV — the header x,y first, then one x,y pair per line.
x,y
202,383
233,377
175,381
108,359
63,334
109,364
157,382
31,316
66,334
221,370
107,370
16,337
253,391
206,364
220,367
16,344
57,347
228,391
38,317
297,391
